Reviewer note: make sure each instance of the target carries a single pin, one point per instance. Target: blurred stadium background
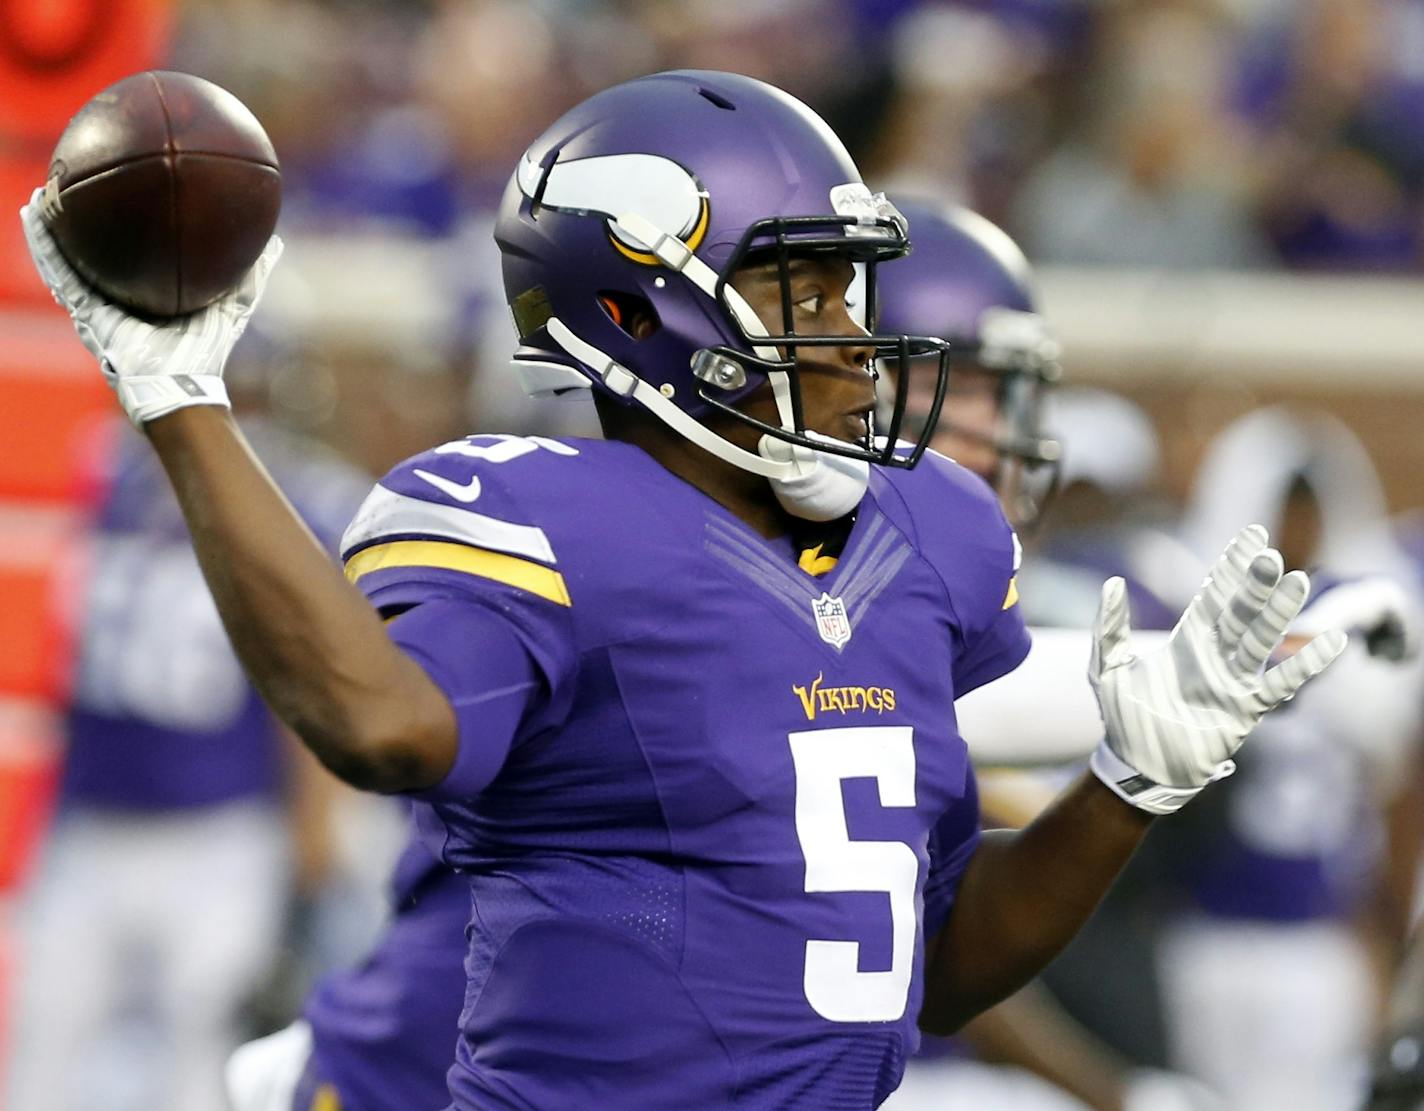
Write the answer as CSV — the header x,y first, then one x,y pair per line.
x,y
1224,200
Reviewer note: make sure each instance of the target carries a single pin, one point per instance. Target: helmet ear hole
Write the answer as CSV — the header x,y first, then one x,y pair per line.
x,y
633,314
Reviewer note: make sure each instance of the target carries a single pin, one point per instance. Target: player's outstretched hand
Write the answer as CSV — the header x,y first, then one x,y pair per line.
x,y
1175,717
155,366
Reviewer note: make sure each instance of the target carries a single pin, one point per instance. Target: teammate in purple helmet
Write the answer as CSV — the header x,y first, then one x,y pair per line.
x,y
682,700
967,282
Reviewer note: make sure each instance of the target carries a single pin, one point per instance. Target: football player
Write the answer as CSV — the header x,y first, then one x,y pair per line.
x,y
380,1034
681,701
967,282
1288,868
171,838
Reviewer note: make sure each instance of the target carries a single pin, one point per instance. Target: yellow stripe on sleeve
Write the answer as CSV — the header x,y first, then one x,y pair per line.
x,y
1012,597
510,570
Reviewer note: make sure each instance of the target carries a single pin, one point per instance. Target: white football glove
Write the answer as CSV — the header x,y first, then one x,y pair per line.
x,y
1377,609
1176,716
155,367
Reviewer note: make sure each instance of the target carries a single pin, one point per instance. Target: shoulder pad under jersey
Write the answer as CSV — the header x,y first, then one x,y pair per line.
x,y
468,507
957,524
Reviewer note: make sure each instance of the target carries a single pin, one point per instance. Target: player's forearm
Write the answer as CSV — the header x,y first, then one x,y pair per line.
x,y
1023,897
310,642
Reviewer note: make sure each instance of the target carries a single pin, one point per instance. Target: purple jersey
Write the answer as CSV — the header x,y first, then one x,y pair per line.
x,y
161,715
384,1033
1295,834
709,805
1291,836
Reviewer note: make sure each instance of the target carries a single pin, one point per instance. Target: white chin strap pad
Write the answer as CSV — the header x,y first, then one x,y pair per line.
x,y
823,487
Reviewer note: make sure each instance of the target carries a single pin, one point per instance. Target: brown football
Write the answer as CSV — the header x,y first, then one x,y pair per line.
x,y
162,192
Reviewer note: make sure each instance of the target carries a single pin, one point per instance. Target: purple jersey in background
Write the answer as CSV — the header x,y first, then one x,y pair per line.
x,y
1296,834
162,716
708,804
384,1033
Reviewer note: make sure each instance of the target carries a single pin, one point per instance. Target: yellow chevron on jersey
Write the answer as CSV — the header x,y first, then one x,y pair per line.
x,y
814,563
510,570
326,1099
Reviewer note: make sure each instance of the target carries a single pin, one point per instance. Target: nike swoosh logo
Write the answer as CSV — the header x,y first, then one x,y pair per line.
x,y
461,491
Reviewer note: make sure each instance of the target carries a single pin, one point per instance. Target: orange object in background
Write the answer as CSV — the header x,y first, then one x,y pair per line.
x,y
19,177
29,777
54,409
41,577
54,56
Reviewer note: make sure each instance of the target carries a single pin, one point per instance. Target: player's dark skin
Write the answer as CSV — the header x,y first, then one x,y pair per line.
x,y
837,390
318,652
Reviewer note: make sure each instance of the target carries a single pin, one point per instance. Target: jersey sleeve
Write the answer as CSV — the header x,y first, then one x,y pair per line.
x,y
952,843
964,533
995,634
997,649
474,593
983,579
493,683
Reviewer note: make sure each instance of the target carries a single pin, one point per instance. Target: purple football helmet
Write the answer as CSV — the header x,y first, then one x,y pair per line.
x,y
655,191
966,282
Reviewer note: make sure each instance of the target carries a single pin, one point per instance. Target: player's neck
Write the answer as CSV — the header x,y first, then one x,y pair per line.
x,y
745,495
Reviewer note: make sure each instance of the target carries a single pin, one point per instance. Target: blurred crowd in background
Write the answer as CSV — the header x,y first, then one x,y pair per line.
x,y
1188,139
1165,133
1258,138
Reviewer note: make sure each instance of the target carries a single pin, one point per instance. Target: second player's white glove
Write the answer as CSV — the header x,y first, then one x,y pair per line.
x,y
154,367
1175,717
1376,608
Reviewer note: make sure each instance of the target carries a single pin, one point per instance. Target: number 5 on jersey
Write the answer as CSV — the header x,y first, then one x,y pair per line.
x,y
823,759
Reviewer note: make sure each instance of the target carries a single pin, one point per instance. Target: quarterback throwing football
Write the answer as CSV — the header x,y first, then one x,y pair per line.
x,y
681,701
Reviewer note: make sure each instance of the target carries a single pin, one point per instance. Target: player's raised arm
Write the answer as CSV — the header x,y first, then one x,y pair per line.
x,y
1173,719
312,644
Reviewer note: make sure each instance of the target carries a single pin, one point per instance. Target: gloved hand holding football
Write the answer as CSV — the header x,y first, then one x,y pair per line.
x,y
154,232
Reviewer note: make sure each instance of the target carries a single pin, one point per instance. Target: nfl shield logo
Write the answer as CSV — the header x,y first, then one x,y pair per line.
x,y
831,620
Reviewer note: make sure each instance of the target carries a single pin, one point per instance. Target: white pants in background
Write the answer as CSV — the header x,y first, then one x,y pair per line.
x,y
1274,1017
960,1085
139,938
263,1075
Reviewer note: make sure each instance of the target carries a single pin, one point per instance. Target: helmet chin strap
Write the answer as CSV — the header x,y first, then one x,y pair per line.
x,y
830,487
625,383
809,484
827,486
